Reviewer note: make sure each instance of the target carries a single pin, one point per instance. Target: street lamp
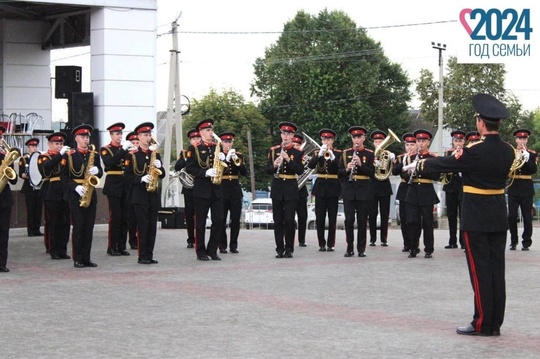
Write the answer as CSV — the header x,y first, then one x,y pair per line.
x,y
440,47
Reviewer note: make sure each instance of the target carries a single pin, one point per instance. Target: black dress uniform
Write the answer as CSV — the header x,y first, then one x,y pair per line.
x,y
115,188
6,202
420,199
146,203
400,161
57,221
380,194
520,195
327,189
355,193
75,165
284,192
484,166
232,197
453,191
128,186
303,194
207,195
32,195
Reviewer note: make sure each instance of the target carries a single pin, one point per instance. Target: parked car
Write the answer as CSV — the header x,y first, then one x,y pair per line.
x,y
259,214
340,222
435,215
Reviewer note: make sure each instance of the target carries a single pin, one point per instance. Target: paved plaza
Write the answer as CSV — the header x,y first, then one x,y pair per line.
x,y
252,305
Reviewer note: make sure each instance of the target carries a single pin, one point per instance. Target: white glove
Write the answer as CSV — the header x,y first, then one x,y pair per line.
x,y
221,156
322,150
127,145
392,157
80,190
93,170
410,166
231,152
377,163
211,172
64,150
526,155
145,179
157,163
332,156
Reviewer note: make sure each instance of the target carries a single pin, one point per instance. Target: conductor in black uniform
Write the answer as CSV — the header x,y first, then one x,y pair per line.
x,y
189,203
453,189
32,195
327,189
303,194
6,202
355,170
285,164
485,167
57,222
202,163
146,203
521,192
77,166
113,156
232,191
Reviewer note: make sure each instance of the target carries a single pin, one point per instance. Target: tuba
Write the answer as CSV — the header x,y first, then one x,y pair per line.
x,y
186,179
383,171
308,146
218,165
519,161
6,172
154,172
90,181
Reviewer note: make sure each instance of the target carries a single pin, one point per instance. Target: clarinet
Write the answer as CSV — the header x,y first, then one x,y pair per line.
x,y
413,174
278,169
353,170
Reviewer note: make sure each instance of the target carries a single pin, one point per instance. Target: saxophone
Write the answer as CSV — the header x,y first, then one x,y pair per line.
x,y
154,172
6,172
218,165
90,181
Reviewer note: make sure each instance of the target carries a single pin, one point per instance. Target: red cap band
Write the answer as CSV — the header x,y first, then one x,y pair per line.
x,y
116,128
327,134
287,128
227,137
378,136
357,132
522,134
57,139
422,136
144,129
82,131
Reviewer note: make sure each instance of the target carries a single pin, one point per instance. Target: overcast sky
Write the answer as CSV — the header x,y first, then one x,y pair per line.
x,y
220,40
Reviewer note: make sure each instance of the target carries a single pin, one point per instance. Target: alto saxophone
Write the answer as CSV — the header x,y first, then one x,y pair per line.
x,y
90,181
218,165
154,172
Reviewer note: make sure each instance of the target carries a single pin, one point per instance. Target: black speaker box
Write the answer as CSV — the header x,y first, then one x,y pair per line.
x,y
67,81
82,109
172,217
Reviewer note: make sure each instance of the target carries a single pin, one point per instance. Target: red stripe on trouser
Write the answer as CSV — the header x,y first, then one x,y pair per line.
x,y
195,234
475,284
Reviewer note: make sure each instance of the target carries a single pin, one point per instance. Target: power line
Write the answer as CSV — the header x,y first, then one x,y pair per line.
x,y
311,31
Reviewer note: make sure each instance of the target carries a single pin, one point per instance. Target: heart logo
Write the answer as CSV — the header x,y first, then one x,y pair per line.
x,y
464,21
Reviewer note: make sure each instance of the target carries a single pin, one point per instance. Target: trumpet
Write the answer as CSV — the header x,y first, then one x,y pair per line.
x,y
447,177
235,159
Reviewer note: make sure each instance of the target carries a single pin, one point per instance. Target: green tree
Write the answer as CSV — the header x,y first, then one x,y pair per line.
x,y
461,83
231,113
325,72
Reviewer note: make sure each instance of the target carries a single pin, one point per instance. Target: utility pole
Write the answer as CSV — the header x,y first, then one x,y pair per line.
x,y
174,113
440,47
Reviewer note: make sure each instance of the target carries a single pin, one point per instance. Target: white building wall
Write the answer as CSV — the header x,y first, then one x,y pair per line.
x,y
123,63
25,78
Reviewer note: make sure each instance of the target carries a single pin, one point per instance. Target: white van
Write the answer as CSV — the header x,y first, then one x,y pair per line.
x,y
259,214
